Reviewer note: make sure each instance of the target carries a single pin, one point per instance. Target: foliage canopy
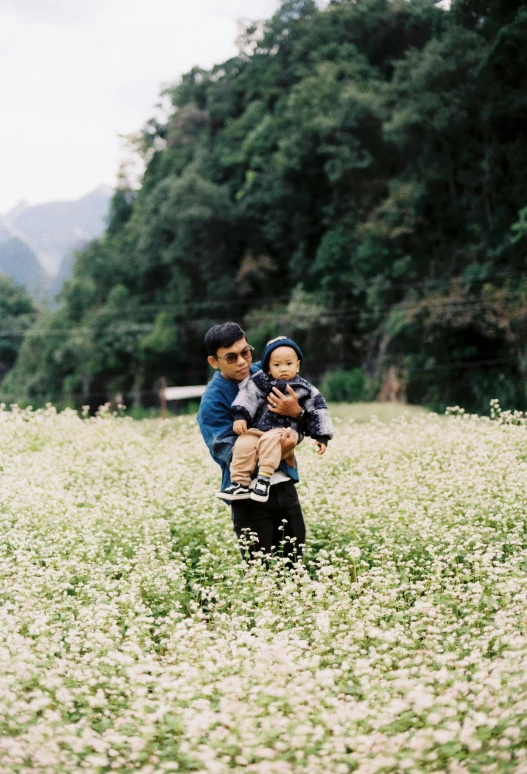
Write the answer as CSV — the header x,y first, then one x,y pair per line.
x,y
366,158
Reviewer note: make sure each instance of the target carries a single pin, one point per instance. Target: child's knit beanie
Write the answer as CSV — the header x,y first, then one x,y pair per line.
x,y
280,341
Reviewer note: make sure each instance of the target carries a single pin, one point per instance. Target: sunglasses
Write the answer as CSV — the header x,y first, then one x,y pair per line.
x,y
232,357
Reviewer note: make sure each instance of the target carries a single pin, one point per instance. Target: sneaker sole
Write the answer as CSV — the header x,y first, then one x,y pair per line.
x,y
230,498
259,498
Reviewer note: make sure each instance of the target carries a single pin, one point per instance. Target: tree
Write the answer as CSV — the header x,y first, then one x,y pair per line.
x,y
353,176
17,315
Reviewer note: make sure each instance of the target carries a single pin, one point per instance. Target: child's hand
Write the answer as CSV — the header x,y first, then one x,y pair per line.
x,y
321,447
240,427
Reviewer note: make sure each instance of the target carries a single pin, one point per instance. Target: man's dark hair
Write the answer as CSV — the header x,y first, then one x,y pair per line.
x,y
222,335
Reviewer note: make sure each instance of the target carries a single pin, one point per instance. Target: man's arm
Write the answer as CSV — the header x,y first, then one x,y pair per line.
x,y
215,423
285,405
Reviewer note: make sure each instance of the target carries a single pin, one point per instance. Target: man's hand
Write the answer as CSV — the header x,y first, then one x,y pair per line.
x,y
285,405
321,447
288,442
240,427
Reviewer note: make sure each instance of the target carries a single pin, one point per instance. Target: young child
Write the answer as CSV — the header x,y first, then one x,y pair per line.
x,y
259,429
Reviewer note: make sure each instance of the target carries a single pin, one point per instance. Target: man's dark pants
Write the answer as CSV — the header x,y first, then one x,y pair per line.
x,y
267,521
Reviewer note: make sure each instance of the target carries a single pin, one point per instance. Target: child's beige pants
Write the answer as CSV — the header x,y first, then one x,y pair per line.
x,y
252,447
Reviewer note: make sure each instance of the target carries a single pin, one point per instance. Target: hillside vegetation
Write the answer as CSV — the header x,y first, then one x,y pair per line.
x,y
354,177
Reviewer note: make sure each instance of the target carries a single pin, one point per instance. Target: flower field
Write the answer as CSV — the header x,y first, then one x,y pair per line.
x,y
132,638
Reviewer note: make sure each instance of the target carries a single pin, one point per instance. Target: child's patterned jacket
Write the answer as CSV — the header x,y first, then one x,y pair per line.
x,y
251,404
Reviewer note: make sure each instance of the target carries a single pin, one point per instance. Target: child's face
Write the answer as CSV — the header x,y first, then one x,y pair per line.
x,y
284,363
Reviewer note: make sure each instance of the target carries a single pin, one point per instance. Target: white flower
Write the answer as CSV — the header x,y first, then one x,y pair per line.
x,y
353,552
130,632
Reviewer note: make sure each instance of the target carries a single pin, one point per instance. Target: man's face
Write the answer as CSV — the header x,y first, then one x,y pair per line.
x,y
238,370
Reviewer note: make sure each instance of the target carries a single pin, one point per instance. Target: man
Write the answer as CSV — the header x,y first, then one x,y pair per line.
x,y
280,518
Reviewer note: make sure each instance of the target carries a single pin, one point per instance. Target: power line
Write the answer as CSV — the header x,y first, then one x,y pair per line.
x,y
445,305
274,300
50,397
259,301
251,299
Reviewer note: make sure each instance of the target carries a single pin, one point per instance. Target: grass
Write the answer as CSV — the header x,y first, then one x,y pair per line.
x,y
384,412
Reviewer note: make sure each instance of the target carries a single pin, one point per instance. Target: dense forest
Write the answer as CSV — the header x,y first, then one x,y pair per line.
x,y
354,178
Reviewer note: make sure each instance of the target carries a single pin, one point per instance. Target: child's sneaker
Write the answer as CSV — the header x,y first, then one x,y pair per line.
x,y
234,492
261,489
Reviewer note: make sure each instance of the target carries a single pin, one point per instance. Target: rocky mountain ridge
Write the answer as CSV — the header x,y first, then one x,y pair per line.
x,y
37,242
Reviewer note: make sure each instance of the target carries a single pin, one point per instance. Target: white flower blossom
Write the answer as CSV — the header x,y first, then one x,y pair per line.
x,y
132,638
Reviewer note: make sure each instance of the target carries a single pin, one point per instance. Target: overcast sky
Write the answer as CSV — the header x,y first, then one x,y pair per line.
x,y
75,74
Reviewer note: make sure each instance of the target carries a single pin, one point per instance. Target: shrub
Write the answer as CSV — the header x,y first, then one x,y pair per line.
x,y
347,386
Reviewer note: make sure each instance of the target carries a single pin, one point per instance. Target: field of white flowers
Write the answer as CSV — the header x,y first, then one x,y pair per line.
x,y
132,639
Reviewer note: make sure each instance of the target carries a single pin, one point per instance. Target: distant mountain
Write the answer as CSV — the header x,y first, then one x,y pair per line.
x,y
7,231
19,260
17,210
21,263
65,272
55,229
37,244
